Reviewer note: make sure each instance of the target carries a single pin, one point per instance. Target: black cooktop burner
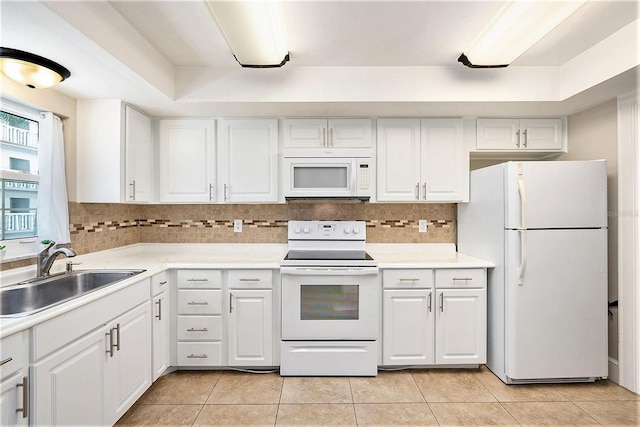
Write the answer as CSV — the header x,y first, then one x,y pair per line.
x,y
328,255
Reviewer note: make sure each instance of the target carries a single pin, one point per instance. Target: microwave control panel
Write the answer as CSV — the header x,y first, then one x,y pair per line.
x,y
363,176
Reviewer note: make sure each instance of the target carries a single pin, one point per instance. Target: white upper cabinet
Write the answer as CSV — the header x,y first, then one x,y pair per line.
x,y
187,169
422,160
249,165
114,153
138,156
534,135
327,135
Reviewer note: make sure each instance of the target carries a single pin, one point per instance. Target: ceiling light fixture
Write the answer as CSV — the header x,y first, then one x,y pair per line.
x,y
254,31
517,27
31,70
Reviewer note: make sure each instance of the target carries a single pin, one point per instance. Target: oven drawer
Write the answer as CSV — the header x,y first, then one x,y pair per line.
x,y
461,278
199,328
324,358
211,279
250,279
407,278
199,354
199,301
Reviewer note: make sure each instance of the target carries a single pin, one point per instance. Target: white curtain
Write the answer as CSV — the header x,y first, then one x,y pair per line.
x,y
53,206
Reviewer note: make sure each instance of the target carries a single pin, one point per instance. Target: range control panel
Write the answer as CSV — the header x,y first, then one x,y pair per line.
x,y
327,230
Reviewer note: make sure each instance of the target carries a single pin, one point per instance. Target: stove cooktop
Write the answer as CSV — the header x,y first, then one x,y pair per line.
x,y
321,255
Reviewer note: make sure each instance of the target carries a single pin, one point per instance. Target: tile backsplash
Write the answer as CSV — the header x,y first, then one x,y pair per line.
x,y
100,226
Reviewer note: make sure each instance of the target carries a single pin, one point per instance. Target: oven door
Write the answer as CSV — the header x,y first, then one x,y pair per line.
x,y
329,303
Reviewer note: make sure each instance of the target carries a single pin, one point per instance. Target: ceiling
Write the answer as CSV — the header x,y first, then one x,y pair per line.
x,y
375,58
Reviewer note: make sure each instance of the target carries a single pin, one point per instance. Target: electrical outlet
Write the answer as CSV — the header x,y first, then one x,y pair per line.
x,y
422,225
237,225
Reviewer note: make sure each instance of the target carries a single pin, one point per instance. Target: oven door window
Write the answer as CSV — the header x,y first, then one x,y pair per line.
x,y
329,302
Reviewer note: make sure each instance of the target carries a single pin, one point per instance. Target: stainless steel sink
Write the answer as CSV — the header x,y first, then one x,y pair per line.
x,y
32,296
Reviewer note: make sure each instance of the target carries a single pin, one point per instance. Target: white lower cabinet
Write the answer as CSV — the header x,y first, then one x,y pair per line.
x,y
96,376
250,327
408,327
199,318
160,291
434,317
14,380
461,335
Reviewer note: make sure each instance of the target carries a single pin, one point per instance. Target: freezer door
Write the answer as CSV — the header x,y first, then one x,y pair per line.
x,y
556,194
556,320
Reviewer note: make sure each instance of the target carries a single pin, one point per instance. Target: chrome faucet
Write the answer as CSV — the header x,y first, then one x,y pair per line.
x,y
45,259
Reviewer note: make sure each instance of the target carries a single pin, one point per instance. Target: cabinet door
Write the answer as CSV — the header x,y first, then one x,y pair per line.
x,y
12,400
498,134
444,165
138,156
349,133
407,327
461,336
187,161
250,328
398,160
541,134
305,133
250,159
128,371
161,351
67,387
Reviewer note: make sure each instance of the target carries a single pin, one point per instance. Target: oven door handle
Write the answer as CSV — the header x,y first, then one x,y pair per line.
x,y
329,271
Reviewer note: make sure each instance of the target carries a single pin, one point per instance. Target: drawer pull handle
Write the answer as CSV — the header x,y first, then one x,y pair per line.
x,y
197,330
460,279
197,303
5,361
409,280
25,397
163,283
197,356
198,280
248,280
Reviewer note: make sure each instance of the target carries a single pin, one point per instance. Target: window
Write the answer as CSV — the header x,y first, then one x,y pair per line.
x,y
18,173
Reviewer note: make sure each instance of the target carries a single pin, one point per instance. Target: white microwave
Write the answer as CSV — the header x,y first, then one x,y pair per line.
x,y
332,178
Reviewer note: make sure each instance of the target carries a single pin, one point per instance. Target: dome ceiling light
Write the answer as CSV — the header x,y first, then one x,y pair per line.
x,y
31,70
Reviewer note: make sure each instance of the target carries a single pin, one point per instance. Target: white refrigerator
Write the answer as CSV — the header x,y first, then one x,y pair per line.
x,y
544,225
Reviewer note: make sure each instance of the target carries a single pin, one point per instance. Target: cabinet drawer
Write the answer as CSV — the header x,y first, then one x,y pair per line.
x,y
461,278
199,354
199,301
199,328
250,279
199,279
407,278
159,283
13,354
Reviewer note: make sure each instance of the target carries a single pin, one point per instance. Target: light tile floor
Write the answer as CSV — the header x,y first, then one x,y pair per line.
x,y
457,397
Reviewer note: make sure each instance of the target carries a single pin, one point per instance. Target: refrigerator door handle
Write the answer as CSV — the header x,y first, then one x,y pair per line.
x,y
523,225
523,198
523,255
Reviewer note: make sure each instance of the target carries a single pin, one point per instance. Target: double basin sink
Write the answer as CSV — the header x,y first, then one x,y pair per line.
x,y
35,295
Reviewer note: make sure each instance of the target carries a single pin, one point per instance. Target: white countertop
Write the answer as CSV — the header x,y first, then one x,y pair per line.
x,y
156,257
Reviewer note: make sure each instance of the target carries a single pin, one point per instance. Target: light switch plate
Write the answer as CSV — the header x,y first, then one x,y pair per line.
x,y
422,225
237,225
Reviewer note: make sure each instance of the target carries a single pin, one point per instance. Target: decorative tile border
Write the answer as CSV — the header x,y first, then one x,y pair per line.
x,y
228,223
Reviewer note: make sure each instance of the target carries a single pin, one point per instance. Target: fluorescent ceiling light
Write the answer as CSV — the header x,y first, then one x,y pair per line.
x,y
517,27
254,31
31,70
